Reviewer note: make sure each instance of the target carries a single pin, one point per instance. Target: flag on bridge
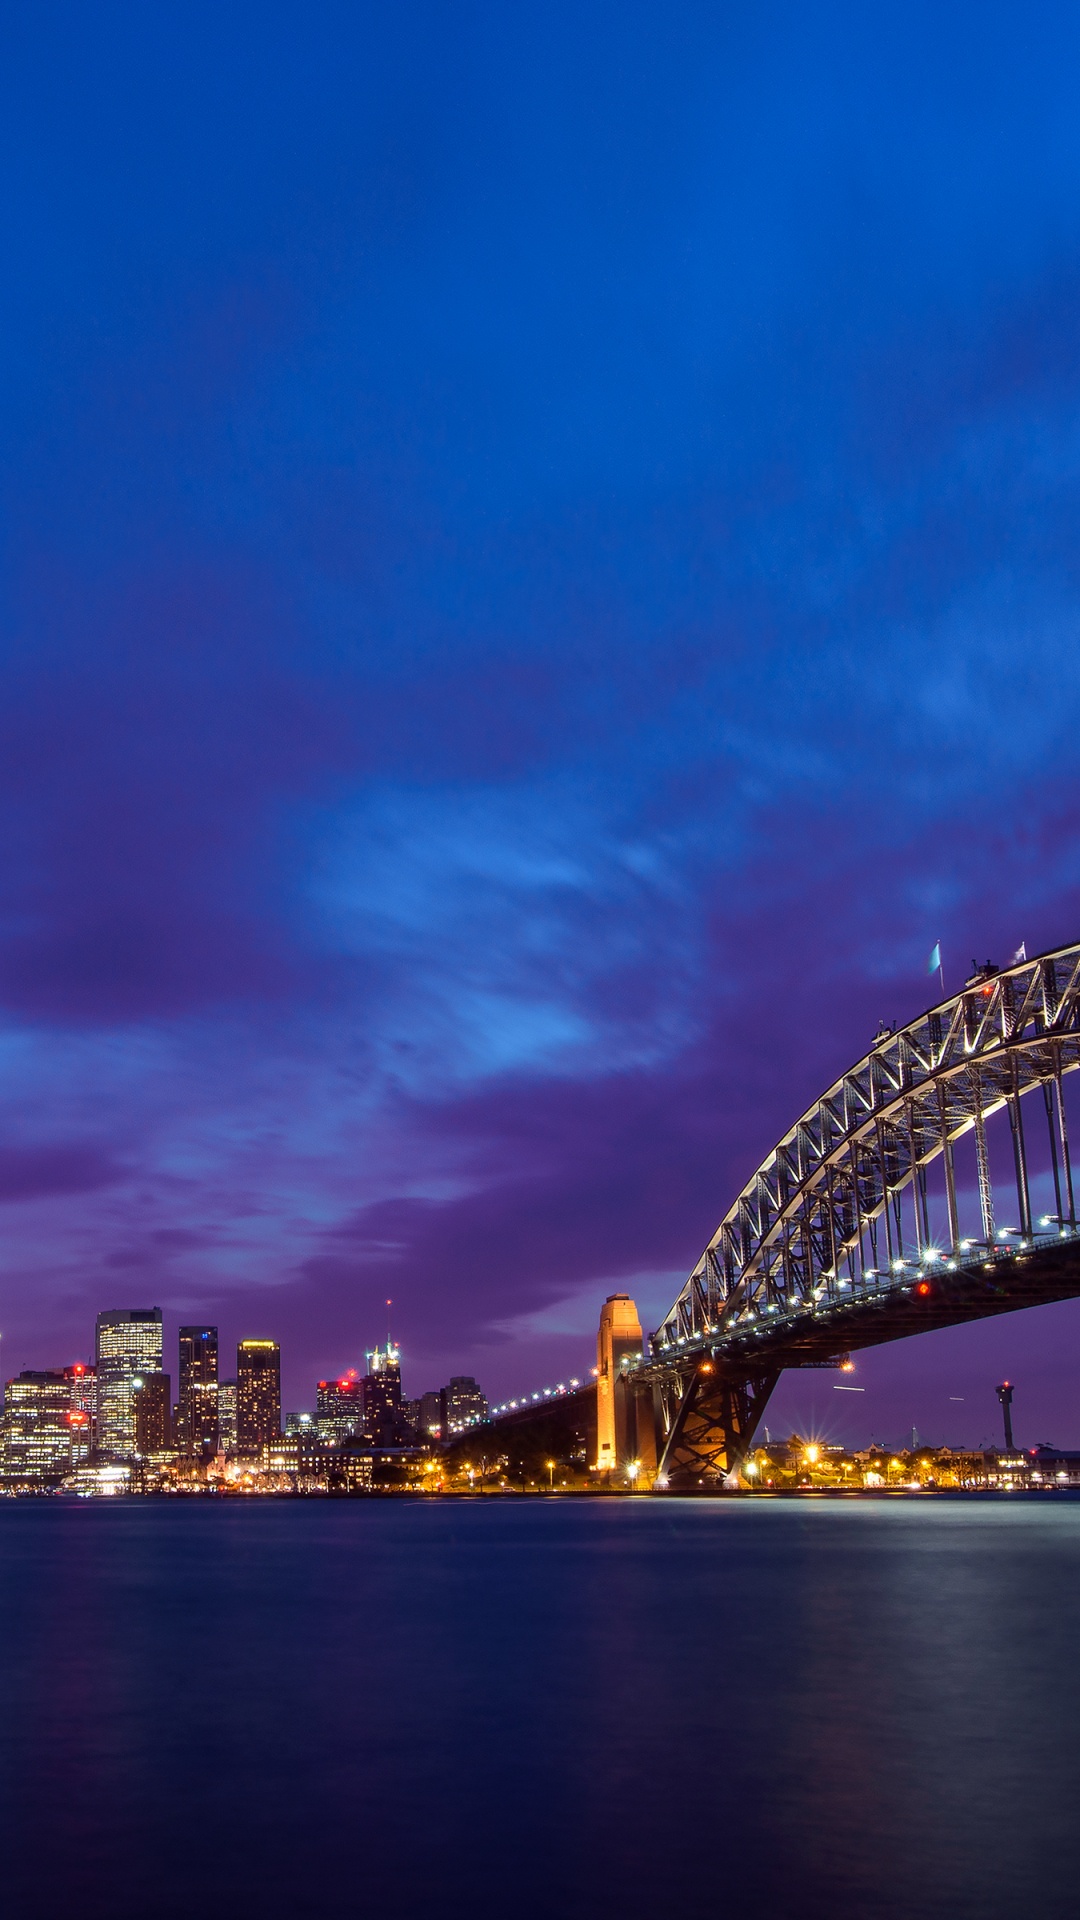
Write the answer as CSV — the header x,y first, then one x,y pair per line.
x,y
1020,954
933,965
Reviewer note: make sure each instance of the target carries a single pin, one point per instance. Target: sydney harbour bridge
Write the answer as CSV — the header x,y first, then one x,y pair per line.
x,y
900,1202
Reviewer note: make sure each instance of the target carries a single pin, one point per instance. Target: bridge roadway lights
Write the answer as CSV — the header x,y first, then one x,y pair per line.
x,y
708,1399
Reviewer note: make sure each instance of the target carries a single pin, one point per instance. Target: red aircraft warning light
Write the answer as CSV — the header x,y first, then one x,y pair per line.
x,y
923,1288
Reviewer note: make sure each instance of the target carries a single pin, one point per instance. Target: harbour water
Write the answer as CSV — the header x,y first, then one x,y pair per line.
x,y
540,1708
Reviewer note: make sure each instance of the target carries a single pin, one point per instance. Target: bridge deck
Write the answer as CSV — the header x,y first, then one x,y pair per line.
x,y
914,1298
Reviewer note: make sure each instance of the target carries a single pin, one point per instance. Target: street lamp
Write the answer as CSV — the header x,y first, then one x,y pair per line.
x,y
551,1476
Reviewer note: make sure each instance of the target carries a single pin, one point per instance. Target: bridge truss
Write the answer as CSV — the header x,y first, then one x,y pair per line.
x,y
850,1233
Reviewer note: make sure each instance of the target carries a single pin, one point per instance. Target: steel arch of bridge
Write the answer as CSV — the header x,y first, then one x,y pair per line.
x,y
829,1243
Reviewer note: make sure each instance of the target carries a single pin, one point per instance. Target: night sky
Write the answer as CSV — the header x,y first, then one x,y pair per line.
x,y
541,575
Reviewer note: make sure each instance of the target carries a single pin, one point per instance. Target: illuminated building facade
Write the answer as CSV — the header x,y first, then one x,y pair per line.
x,y
197,1425
151,1404
129,1348
429,1413
339,1409
466,1406
258,1395
384,1416
38,1441
82,1383
299,1453
619,1340
226,1400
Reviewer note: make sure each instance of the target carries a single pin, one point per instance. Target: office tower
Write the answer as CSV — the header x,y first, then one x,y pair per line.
x,y
226,1400
465,1404
339,1409
83,1387
152,1413
430,1414
128,1348
197,1427
381,1392
37,1429
258,1394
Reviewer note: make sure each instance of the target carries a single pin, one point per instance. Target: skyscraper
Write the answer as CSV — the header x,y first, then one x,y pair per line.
x,y
37,1429
384,1416
151,1404
197,1430
226,1401
258,1394
84,1409
129,1347
465,1404
339,1409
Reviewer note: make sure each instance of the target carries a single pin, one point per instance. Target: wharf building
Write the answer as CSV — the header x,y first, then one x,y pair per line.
x,y
299,1452
129,1348
197,1425
258,1395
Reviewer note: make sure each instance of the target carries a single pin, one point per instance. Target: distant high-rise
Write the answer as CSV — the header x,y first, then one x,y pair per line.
x,y
197,1429
381,1393
83,1384
152,1408
258,1394
129,1346
465,1404
38,1438
339,1409
226,1400
430,1413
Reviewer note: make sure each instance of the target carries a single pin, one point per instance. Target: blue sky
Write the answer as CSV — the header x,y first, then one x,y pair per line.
x,y
540,577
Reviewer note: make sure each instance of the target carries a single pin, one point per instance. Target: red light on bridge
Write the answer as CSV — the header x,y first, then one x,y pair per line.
x,y
923,1288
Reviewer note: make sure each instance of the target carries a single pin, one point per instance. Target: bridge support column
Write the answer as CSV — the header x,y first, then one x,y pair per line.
x,y
714,1428
636,1428
618,1341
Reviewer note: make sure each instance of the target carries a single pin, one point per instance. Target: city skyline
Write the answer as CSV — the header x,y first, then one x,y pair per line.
x,y
804,1402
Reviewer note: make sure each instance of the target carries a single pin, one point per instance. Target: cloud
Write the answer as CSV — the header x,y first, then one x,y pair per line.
x,y
32,1173
510,929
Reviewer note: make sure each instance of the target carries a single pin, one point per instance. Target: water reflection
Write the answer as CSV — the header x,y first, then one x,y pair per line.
x,y
560,1707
